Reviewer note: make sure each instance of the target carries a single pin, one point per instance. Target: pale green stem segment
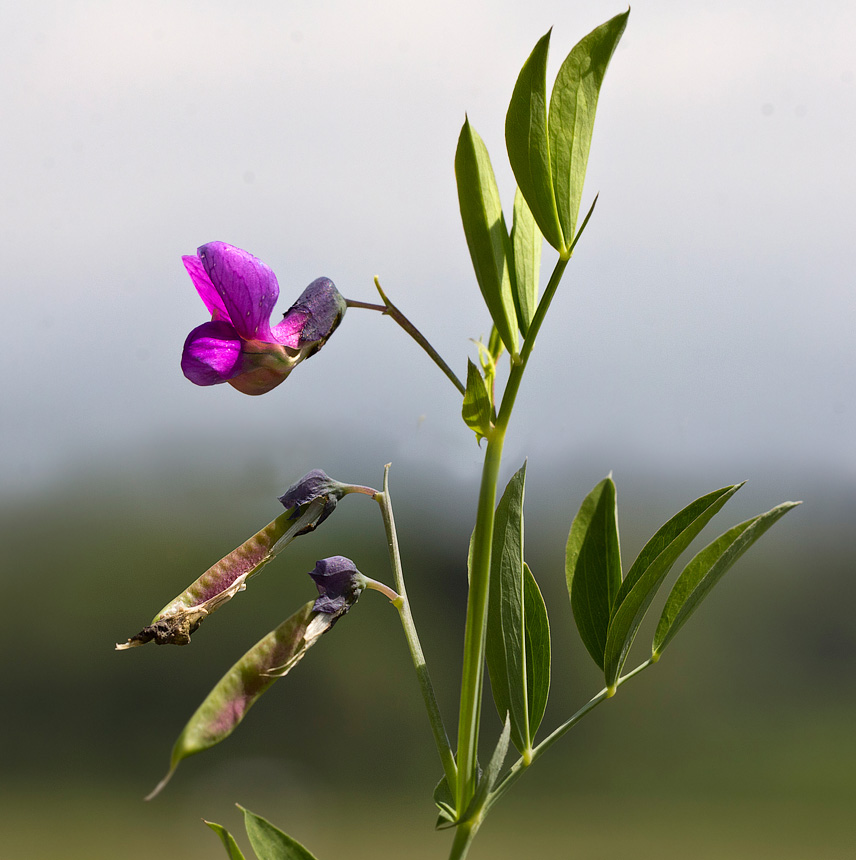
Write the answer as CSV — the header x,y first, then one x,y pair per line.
x,y
389,309
472,679
466,830
520,767
464,835
401,603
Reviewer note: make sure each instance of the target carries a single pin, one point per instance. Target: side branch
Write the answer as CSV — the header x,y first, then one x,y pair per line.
x,y
391,310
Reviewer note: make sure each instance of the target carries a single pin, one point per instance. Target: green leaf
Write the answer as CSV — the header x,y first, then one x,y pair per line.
x,y
486,233
528,146
227,839
648,572
494,344
593,566
506,634
476,410
487,780
537,650
270,843
572,110
526,242
445,802
706,569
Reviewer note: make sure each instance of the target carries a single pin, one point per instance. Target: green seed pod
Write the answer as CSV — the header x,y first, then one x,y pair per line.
x,y
174,624
234,694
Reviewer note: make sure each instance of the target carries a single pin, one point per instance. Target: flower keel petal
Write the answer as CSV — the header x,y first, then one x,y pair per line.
x,y
289,330
212,353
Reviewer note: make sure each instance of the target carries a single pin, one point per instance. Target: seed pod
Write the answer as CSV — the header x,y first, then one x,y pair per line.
x,y
272,657
220,583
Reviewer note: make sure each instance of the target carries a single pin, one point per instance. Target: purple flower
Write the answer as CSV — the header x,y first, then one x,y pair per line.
x,y
239,346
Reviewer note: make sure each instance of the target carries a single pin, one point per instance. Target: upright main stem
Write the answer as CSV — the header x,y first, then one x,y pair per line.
x,y
472,678
474,635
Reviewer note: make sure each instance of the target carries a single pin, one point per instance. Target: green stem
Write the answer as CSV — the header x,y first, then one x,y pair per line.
x,y
472,678
464,835
521,765
441,739
389,309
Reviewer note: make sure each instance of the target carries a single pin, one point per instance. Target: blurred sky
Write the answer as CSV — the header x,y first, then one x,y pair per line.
x,y
707,315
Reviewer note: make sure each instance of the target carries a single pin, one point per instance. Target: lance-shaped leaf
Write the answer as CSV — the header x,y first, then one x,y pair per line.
x,y
537,650
506,635
221,582
486,233
706,569
593,566
518,637
526,242
528,145
232,850
648,572
572,110
476,410
269,842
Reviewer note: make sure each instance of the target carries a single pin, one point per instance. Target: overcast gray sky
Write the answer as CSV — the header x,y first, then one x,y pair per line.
x,y
708,313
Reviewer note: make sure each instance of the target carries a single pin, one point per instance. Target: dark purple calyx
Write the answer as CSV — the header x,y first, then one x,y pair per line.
x,y
313,485
324,307
339,585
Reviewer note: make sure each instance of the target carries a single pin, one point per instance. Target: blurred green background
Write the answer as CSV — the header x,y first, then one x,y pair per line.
x,y
703,335
738,743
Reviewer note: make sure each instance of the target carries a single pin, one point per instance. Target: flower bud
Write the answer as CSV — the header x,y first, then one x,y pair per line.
x,y
339,585
324,307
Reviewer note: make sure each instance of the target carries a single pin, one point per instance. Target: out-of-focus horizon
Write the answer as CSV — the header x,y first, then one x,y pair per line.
x,y
702,336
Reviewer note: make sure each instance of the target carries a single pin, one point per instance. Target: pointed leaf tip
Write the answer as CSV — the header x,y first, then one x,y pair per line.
x,y
227,839
269,842
593,566
162,784
573,105
648,572
706,569
526,139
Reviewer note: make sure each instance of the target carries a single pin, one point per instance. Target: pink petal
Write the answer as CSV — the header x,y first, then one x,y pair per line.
x,y
205,288
247,286
212,353
289,330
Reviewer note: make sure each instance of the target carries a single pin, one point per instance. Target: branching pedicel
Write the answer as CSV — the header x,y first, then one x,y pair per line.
x,y
507,627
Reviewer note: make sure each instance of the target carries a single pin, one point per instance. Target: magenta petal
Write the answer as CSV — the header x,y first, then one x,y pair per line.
x,y
205,288
289,330
247,286
212,353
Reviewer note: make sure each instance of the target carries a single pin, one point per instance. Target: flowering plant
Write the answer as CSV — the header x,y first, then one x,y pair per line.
x,y
507,629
